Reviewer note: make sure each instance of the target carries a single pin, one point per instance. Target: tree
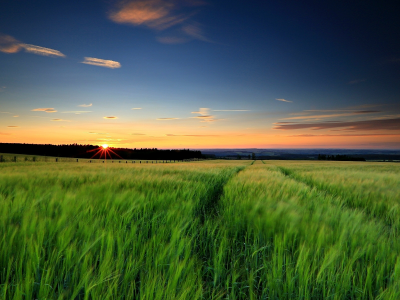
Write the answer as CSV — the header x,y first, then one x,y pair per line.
x,y
253,156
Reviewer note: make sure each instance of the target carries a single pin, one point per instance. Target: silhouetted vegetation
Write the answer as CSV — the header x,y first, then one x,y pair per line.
x,y
339,157
88,151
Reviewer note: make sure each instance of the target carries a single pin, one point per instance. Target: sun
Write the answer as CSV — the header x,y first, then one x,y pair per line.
x,y
105,146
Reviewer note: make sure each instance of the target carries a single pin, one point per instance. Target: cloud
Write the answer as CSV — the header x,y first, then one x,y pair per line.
x,y
2,88
16,116
231,110
155,14
101,62
386,124
160,15
166,119
9,45
135,108
5,133
356,81
138,134
194,31
202,111
172,39
48,110
193,135
284,100
77,112
5,112
86,105
110,118
352,135
60,120
11,126
42,51
353,113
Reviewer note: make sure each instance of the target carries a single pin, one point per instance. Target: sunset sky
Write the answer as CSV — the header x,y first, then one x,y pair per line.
x,y
200,74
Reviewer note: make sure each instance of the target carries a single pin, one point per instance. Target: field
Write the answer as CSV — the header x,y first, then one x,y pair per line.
x,y
200,230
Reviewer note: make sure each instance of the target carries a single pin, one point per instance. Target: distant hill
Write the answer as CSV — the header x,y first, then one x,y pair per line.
x,y
303,154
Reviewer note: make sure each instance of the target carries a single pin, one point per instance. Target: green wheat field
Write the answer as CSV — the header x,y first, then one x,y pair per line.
x,y
200,230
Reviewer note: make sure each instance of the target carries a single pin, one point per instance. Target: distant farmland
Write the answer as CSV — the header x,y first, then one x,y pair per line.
x,y
200,230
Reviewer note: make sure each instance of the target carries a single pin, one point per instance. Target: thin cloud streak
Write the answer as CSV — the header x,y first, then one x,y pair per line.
x,y
101,63
77,112
166,119
332,115
110,118
10,45
231,110
86,105
386,124
12,126
193,135
136,108
356,81
42,51
60,120
339,135
47,110
284,100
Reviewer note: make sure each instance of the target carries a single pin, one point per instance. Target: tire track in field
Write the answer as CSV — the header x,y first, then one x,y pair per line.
x,y
207,214
209,206
369,214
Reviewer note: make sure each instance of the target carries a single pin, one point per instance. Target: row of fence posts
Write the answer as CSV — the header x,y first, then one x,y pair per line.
x,y
112,161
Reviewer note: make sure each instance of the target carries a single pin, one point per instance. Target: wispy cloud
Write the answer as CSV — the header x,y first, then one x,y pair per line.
x,y
172,39
353,113
386,124
86,105
166,119
47,110
101,63
2,88
138,134
155,14
16,116
9,45
193,135
60,120
77,112
136,108
194,31
5,133
231,110
110,118
202,111
356,81
284,100
5,112
352,135
160,15
42,51
12,126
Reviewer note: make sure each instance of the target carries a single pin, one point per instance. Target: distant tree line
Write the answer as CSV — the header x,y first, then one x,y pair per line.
x,y
88,151
339,157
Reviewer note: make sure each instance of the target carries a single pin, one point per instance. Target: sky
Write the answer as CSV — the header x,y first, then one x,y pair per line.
x,y
201,74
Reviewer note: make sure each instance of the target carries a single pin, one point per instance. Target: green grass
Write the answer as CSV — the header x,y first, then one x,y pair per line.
x,y
200,230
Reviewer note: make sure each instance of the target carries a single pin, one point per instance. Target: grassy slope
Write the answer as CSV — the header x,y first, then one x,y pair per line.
x,y
202,230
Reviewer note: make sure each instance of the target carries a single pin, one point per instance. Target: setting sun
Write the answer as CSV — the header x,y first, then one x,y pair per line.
x,y
105,146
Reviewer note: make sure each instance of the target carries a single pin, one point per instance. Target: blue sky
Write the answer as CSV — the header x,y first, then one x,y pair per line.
x,y
201,74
